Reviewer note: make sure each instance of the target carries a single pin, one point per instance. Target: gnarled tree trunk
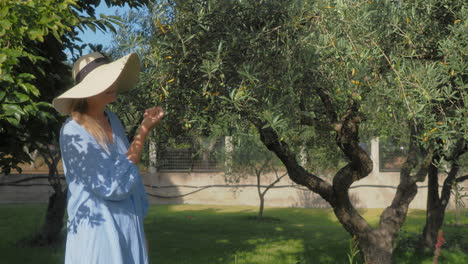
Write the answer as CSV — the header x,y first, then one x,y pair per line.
x,y
375,244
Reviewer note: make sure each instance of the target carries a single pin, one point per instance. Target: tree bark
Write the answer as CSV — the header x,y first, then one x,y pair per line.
x,y
376,247
53,222
262,204
258,173
436,205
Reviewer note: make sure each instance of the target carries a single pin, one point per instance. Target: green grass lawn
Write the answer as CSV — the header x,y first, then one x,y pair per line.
x,y
204,234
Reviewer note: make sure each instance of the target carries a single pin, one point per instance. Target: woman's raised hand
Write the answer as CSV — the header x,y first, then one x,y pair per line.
x,y
152,117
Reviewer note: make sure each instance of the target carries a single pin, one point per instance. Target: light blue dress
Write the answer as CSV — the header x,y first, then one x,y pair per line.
x,y
106,200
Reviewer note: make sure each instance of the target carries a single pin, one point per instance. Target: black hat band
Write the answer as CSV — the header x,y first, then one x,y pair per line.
x,y
89,68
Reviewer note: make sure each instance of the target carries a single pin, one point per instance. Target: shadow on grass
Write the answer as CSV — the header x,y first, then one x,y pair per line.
x,y
263,219
204,234
213,235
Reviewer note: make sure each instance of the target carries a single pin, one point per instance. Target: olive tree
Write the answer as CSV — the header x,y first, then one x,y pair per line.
x,y
287,68
325,71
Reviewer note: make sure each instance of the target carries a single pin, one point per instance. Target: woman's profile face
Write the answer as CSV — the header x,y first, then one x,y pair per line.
x,y
106,97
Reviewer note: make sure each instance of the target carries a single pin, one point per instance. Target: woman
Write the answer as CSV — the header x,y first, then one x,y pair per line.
x,y
106,200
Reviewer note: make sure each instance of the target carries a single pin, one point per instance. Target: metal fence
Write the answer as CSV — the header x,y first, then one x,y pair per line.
x,y
190,154
202,154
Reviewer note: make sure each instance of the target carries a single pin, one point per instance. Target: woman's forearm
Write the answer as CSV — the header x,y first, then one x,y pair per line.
x,y
136,147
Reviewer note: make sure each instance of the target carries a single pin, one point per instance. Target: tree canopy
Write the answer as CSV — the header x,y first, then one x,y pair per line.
x,y
34,68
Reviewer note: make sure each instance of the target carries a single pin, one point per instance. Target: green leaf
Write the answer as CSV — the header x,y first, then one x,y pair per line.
x,y
91,26
29,88
2,95
26,76
45,116
34,58
44,104
18,98
7,78
31,109
12,109
45,20
101,26
13,121
4,11
36,33
16,52
57,36
4,25
71,2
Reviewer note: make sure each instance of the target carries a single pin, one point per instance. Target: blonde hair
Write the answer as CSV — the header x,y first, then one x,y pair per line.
x,y
79,107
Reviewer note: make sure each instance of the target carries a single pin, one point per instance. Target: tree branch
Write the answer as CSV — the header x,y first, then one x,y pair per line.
x,y
297,173
394,216
448,184
347,138
461,179
273,183
328,105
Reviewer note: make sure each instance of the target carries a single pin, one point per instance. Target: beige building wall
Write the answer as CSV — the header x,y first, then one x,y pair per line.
x,y
375,191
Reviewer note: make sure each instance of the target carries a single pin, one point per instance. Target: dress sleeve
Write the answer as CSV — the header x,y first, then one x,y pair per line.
x,y
141,193
108,176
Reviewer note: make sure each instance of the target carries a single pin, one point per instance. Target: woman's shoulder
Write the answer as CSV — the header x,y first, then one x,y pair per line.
x,y
71,128
73,135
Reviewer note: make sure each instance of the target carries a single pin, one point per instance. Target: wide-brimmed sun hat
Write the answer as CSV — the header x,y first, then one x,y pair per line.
x,y
94,73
